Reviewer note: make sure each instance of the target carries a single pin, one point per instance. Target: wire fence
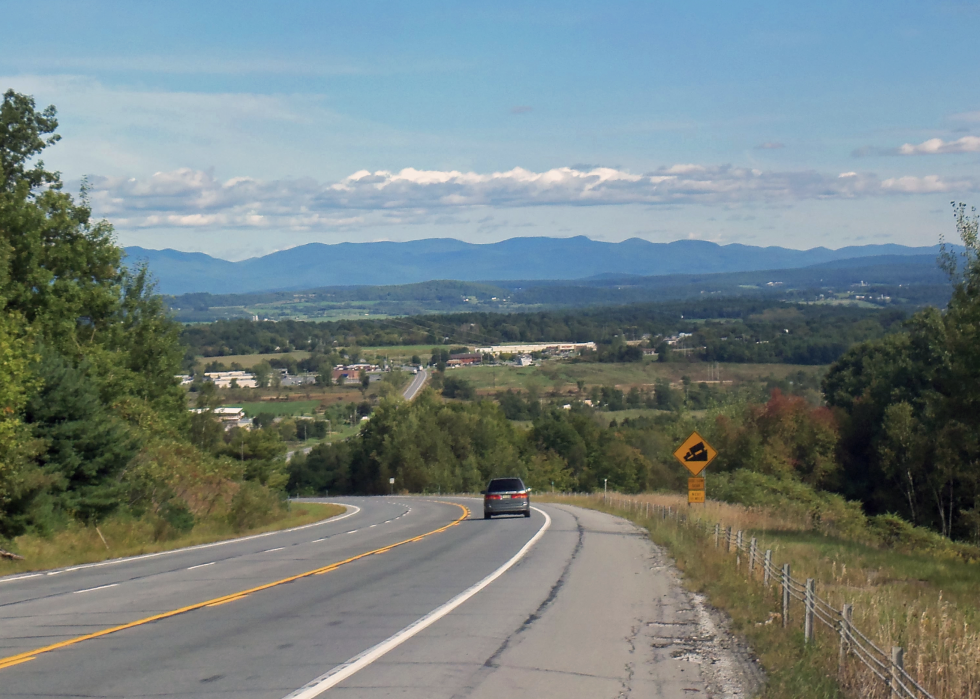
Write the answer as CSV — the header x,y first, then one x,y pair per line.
x,y
886,667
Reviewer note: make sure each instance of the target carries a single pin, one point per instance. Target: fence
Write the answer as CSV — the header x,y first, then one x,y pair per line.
x,y
888,668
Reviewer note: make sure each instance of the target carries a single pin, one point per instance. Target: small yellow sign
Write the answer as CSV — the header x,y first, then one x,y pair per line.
x,y
695,496
695,484
695,453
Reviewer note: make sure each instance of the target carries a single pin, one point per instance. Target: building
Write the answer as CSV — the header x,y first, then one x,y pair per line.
x,y
299,380
229,417
223,379
551,347
524,360
464,359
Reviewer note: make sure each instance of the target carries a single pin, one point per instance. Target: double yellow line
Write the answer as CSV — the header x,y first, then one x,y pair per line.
x,y
31,654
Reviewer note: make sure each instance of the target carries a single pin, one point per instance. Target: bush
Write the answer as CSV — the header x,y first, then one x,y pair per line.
x,y
252,506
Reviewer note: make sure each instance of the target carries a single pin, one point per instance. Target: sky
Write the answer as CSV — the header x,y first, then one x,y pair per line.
x,y
241,128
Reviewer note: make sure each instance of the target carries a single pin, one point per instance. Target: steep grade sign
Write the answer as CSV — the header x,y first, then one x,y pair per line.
x,y
695,454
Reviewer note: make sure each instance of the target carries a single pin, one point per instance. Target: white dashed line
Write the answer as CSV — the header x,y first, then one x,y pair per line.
x,y
203,565
317,541
372,526
93,589
352,531
276,549
20,577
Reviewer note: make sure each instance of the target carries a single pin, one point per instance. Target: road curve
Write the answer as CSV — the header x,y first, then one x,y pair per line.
x,y
415,597
417,383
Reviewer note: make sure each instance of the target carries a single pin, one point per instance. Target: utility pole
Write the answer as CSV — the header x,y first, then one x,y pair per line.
x,y
604,489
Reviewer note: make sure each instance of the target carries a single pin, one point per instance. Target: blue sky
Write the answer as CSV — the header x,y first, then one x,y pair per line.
x,y
241,128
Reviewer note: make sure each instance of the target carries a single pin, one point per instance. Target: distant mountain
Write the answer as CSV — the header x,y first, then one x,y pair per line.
x,y
352,264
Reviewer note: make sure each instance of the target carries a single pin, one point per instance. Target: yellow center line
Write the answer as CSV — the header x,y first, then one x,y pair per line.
x,y
31,654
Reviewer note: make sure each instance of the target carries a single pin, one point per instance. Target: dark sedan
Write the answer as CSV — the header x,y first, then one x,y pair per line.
x,y
506,496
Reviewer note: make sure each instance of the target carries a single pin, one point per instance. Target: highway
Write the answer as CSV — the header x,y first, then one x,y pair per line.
x,y
400,596
417,383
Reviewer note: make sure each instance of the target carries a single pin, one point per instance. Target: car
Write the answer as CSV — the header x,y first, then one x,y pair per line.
x,y
506,496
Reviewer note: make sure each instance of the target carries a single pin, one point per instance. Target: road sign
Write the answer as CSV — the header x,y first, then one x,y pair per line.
x,y
695,484
391,481
695,496
695,453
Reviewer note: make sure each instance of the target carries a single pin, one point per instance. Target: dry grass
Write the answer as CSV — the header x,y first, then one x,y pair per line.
x,y
132,537
925,603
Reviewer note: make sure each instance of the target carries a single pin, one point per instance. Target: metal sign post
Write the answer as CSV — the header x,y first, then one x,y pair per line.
x,y
695,454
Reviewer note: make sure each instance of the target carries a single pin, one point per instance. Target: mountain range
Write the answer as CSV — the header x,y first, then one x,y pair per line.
x,y
384,263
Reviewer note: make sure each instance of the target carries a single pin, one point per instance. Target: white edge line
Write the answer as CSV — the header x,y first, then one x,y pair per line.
x,y
20,577
201,546
93,589
340,673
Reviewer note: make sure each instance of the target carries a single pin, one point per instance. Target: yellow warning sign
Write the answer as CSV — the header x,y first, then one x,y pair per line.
x,y
695,496
695,484
695,453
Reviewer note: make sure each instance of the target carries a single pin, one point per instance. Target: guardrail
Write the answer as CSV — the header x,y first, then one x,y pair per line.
x,y
888,667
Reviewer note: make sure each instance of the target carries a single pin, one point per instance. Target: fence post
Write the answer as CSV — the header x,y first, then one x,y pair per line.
x,y
898,663
752,547
785,595
738,540
717,533
728,539
846,613
766,567
808,617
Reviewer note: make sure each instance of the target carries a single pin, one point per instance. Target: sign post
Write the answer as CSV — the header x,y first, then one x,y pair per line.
x,y
391,486
695,454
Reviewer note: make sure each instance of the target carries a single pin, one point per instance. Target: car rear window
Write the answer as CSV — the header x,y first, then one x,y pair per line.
x,y
504,485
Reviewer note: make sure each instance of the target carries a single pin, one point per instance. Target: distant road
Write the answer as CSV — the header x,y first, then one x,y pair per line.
x,y
417,383
414,597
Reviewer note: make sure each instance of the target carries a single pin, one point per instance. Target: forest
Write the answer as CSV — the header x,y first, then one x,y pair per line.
x,y
93,423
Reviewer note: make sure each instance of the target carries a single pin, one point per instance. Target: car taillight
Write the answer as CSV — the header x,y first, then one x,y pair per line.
x,y
518,495
493,497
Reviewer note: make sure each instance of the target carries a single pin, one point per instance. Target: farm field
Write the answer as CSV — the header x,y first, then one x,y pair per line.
x,y
562,376
250,360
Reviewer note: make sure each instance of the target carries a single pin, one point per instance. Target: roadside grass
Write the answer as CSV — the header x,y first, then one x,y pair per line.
x,y
925,602
129,536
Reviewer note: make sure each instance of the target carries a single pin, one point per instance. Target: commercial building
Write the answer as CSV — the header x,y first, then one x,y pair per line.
x,y
223,379
553,347
464,359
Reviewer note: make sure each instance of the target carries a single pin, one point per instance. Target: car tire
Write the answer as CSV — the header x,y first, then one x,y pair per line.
x,y
487,515
527,514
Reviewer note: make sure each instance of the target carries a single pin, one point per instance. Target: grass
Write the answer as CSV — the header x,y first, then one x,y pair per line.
x,y
123,536
250,360
926,603
559,376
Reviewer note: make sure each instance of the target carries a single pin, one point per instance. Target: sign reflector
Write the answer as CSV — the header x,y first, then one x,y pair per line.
x,y
695,496
695,484
695,453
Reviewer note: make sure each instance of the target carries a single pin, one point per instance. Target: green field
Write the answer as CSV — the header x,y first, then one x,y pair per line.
x,y
250,360
562,376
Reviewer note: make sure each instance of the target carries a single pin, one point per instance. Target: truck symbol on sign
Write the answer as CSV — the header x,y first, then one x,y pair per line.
x,y
697,453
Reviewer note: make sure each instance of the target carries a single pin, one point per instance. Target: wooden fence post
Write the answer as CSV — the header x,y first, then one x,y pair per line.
x,y
728,539
898,663
786,577
810,598
766,567
752,547
846,613
717,534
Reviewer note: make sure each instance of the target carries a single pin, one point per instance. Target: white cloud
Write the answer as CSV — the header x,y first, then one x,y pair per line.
x,y
770,145
934,146
188,198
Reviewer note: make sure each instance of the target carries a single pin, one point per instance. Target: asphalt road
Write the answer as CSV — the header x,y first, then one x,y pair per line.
x,y
417,383
569,603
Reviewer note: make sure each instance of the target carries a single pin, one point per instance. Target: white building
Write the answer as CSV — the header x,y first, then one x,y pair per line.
x,y
497,350
223,379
